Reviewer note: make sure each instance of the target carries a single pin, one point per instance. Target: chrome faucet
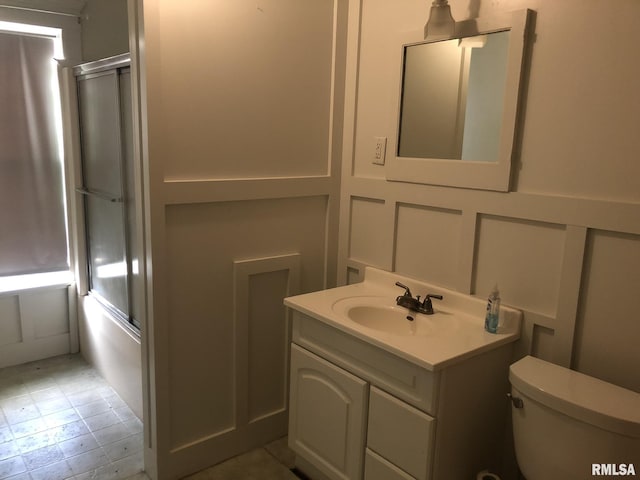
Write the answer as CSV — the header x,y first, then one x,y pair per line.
x,y
414,304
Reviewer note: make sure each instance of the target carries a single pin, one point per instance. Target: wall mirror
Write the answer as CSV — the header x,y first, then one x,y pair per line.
x,y
457,105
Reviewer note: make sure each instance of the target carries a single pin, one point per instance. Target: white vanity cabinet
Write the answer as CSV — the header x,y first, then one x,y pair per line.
x,y
359,412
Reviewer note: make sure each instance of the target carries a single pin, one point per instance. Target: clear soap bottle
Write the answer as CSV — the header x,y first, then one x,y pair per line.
x,y
493,311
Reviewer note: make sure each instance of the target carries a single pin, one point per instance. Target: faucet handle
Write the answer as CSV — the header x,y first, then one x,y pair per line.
x,y
407,292
427,307
427,299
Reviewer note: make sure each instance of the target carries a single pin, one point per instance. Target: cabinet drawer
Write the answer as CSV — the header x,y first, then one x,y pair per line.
x,y
401,434
402,378
377,468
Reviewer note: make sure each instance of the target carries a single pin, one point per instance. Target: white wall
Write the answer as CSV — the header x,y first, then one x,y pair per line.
x,y
564,245
241,150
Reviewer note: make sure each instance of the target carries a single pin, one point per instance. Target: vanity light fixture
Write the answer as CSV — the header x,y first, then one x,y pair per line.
x,y
441,23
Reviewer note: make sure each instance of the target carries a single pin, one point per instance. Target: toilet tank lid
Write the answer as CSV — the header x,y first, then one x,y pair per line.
x,y
577,395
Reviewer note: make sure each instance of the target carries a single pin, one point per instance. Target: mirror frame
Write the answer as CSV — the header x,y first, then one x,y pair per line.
x,y
468,173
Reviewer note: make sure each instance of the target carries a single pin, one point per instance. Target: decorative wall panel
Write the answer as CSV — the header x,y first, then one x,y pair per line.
x,y
366,242
48,311
203,242
34,324
428,243
542,342
262,334
354,275
269,114
10,331
608,323
268,342
523,257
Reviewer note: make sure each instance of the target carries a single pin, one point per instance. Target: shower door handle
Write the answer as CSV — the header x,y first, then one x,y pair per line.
x,y
104,196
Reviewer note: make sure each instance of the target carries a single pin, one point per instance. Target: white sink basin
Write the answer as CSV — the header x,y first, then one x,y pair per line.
x,y
381,314
368,311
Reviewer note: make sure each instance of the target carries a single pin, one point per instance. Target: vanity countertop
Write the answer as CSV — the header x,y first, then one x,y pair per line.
x,y
455,332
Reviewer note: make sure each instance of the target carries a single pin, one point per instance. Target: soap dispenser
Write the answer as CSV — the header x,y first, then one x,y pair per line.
x,y
493,311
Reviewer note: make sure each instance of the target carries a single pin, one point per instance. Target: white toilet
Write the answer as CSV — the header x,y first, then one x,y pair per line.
x,y
569,426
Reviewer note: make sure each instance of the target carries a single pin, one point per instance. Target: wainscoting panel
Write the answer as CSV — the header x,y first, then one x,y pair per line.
x,y
524,257
273,82
427,243
367,242
542,341
10,331
48,312
262,334
229,266
34,324
355,272
608,323
268,340
575,283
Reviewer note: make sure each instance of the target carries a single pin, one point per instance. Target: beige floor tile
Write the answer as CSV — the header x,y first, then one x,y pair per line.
x,y
281,452
256,465
59,418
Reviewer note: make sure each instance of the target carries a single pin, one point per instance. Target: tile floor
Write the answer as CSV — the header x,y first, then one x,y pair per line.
x,y
272,462
60,420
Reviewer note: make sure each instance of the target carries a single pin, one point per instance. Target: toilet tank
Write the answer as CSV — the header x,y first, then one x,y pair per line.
x,y
572,426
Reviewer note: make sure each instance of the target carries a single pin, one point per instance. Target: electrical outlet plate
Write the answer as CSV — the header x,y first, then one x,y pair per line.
x,y
380,150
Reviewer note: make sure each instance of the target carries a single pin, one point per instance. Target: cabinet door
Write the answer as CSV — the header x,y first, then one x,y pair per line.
x,y
327,415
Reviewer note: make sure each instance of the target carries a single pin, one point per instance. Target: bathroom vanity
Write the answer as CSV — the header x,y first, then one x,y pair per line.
x,y
379,396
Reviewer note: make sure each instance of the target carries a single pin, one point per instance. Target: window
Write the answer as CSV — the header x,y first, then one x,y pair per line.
x,y
33,236
104,100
